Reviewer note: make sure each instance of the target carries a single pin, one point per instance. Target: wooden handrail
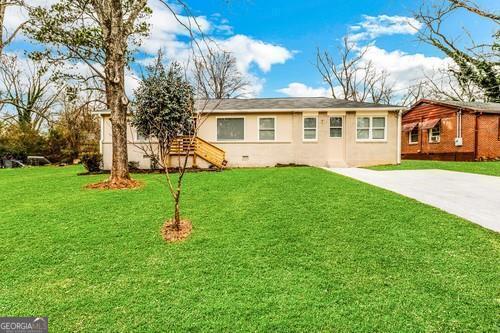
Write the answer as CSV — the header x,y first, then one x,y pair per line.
x,y
199,147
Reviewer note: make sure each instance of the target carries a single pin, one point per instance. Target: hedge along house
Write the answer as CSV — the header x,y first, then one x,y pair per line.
x,y
451,131
266,132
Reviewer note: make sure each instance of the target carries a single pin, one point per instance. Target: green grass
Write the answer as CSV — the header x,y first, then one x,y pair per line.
x,y
485,168
288,249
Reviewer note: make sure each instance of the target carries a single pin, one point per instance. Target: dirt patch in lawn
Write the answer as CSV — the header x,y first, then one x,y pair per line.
x,y
170,234
121,185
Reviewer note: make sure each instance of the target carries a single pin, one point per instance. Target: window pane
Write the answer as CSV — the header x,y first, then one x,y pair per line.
x,y
266,123
309,122
309,134
378,134
363,122
230,128
363,134
335,132
266,135
414,136
379,122
336,122
435,130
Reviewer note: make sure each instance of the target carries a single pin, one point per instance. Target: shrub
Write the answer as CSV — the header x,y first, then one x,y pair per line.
x,y
91,161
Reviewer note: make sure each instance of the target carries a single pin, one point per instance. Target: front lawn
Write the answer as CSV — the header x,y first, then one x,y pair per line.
x,y
485,168
288,249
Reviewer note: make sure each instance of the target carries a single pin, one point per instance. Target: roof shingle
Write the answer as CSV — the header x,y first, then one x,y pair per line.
x,y
284,104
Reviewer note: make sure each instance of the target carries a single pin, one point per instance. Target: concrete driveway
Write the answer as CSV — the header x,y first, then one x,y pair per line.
x,y
471,196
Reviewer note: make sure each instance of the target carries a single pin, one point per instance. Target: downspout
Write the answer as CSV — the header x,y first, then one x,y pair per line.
x,y
476,135
421,136
101,141
399,134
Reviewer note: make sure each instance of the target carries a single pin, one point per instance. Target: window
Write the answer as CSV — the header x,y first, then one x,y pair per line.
x,y
335,127
370,128
498,127
435,133
267,128
229,129
413,135
140,137
310,128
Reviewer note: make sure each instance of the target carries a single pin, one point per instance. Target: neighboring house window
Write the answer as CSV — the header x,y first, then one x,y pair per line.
x,y
435,133
310,128
371,128
267,128
335,127
414,135
229,129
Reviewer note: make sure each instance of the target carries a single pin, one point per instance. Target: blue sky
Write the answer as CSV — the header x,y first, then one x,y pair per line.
x,y
302,26
275,41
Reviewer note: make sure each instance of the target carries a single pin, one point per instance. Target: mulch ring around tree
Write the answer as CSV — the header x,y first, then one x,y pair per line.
x,y
170,234
121,185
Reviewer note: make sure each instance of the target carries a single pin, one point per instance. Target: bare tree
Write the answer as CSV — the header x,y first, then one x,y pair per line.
x,y
7,37
350,77
478,65
76,123
217,76
442,85
28,93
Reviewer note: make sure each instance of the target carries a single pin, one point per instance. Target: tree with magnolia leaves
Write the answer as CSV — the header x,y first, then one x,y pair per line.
x,y
99,33
163,110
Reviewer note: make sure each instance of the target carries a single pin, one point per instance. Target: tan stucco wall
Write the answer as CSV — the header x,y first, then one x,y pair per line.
x,y
289,146
361,153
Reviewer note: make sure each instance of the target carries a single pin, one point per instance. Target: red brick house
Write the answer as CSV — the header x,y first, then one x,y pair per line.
x,y
451,131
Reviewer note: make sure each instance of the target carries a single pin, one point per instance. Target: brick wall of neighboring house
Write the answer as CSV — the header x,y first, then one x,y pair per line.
x,y
488,143
488,136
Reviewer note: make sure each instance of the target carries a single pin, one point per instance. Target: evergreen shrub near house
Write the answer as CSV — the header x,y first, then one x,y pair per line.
x,y
91,161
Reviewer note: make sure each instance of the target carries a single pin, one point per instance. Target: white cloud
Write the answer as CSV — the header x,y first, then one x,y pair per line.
x,y
383,25
405,69
169,35
297,89
248,51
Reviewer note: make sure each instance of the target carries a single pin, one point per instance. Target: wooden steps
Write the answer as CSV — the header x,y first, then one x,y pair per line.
x,y
199,148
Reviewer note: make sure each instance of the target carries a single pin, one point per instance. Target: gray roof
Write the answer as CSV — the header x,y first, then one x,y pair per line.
x,y
473,106
285,104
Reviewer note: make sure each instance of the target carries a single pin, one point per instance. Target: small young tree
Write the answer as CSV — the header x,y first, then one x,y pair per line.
x,y
164,110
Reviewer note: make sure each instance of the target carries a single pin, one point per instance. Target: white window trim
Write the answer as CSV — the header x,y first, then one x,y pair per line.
x,y
341,127
275,127
438,136
409,138
303,129
370,128
230,140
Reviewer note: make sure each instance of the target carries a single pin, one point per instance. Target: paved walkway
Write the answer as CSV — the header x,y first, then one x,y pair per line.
x,y
471,196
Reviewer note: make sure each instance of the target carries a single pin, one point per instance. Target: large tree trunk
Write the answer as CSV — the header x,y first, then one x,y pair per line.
x,y
115,93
